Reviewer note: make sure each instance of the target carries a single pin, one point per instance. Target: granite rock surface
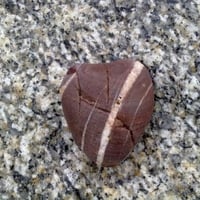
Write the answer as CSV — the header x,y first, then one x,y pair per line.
x,y
39,40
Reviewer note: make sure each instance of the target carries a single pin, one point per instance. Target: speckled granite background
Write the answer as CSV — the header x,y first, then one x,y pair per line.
x,y
38,41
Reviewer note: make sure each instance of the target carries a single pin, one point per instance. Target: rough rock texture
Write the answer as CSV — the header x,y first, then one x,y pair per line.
x,y
38,159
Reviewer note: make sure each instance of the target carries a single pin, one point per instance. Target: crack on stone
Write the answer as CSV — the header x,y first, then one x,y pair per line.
x,y
132,137
123,125
79,92
91,102
108,83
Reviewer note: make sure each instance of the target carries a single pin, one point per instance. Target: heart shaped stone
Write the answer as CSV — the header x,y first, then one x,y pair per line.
x,y
107,107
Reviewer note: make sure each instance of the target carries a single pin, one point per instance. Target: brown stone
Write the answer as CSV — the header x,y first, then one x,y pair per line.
x,y
107,107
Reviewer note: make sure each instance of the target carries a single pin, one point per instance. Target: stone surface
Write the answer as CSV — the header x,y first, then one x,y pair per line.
x,y
37,41
107,107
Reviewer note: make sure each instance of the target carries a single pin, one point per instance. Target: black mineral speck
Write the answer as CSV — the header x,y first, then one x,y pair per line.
x,y
19,178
